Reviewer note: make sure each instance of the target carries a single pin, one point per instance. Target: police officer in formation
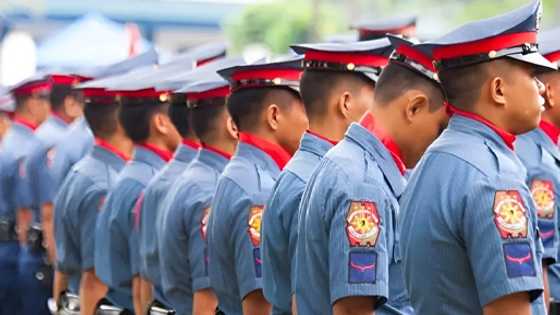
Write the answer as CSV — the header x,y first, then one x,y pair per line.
x,y
384,176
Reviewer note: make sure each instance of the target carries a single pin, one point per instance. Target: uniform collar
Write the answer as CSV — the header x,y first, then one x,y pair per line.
x,y
146,154
317,135
315,144
103,144
550,130
185,153
109,155
368,122
384,158
210,157
191,143
215,150
273,151
507,137
25,123
163,154
543,140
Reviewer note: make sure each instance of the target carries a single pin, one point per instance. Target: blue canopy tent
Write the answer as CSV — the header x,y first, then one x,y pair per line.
x,y
92,40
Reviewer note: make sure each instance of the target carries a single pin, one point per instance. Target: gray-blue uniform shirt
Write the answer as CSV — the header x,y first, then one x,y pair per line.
x,y
79,200
234,226
541,156
117,258
280,221
154,194
468,223
347,242
182,231
42,158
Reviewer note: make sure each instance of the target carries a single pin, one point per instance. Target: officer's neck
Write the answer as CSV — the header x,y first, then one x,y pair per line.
x,y
551,118
330,127
27,116
264,134
121,142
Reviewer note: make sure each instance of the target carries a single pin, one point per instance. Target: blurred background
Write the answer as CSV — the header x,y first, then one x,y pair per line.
x,y
66,34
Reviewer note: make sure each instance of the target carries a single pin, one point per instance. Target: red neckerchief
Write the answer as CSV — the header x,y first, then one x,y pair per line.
x,y
322,137
368,122
550,130
59,116
25,123
216,150
507,137
276,152
191,143
163,154
107,146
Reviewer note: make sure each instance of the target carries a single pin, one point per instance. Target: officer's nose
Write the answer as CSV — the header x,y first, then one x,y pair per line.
x,y
540,86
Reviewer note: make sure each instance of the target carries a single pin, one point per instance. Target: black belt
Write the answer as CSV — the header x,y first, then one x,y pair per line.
x,y
8,231
157,308
105,307
554,308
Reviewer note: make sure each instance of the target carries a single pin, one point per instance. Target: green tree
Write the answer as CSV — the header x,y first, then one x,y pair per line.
x,y
278,24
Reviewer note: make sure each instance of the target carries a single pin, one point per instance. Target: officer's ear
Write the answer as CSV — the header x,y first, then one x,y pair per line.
x,y
417,103
549,96
498,90
344,104
231,127
272,116
161,123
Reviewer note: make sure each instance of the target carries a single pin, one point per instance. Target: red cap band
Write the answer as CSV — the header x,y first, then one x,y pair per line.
x,y
362,59
553,57
214,93
416,56
485,45
267,74
32,88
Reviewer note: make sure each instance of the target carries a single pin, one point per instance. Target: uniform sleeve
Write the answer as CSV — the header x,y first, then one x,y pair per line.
x,y
246,223
291,225
134,238
501,241
45,184
23,192
360,228
196,220
87,219
544,195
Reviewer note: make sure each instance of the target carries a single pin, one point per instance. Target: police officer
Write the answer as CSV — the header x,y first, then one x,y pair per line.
x,y
539,153
402,25
34,281
334,96
184,214
468,228
7,107
145,119
346,249
157,188
82,195
66,107
270,117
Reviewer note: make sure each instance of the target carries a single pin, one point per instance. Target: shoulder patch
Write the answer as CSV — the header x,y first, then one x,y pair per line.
x,y
255,220
204,223
362,224
510,214
543,195
101,202
21,169
51,154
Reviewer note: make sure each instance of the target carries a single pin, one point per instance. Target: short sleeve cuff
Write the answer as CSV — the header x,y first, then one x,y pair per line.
x,y
88,263
249,286
201,283
530,285
379,291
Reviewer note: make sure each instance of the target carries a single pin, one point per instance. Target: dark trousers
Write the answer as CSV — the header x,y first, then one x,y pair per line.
x,y
9,292
35,279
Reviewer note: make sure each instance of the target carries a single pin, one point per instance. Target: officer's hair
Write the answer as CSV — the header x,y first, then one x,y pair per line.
x,y
102,118
462,86
317,87
20,101
135,117
59,92
180,115
246,105
205,116
397,78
